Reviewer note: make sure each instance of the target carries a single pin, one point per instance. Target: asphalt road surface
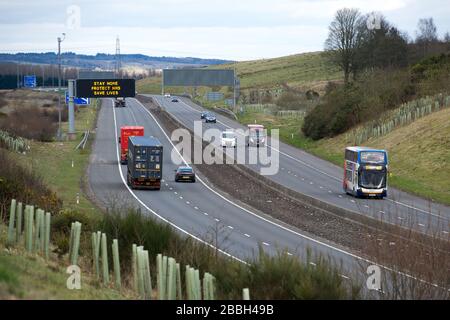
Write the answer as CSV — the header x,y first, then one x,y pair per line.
x,y
195,209
312,176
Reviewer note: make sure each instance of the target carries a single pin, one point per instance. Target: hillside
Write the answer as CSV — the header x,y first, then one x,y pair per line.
x,y
301,71
102,60
419,155
295,71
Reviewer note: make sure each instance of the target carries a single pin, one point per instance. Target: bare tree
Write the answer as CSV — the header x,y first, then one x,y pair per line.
x,y
343,39
427,37
427,31
447,37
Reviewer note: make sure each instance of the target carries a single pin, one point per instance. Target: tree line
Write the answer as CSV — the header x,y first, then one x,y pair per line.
x,y
358,42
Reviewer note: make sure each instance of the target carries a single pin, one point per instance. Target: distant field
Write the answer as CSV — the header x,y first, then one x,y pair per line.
x,y
295,70
300,71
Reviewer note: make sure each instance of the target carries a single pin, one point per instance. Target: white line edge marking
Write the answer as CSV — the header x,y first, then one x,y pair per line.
x,y
154,212
262,218
320,171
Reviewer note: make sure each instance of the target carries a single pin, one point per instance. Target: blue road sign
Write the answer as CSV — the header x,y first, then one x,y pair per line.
x,y
79,101
29,81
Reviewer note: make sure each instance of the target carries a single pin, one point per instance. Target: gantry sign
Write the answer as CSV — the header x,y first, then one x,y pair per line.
x,y
105,88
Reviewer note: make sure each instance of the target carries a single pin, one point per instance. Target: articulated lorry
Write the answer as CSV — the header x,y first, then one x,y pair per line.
x,y
125,132
145,159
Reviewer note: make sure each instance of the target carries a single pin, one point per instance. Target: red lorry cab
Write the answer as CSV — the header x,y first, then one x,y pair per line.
x,y
126,132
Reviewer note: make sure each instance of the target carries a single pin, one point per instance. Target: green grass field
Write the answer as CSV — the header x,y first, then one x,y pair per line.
x,y
295,70
301,71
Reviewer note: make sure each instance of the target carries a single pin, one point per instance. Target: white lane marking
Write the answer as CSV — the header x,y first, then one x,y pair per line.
x,y
289,254
313,264
366,206
170,188
329,191
187,202
217,220
345,277
266,220
320,171
154,212
175,192
230,227
205,213
353,201
266,244
247,235
196,208
181,197
421,224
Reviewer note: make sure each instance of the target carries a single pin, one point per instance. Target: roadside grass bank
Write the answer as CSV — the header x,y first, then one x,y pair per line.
x,y
62,167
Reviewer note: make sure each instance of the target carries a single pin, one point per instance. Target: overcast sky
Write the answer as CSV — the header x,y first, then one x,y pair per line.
x,y
231,29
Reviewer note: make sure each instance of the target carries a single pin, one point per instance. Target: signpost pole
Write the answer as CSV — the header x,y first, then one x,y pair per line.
x,y
71,134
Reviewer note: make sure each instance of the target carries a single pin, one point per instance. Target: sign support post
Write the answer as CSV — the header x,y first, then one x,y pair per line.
x,y
71,134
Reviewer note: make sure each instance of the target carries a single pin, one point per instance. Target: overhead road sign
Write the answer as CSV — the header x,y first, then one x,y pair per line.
x,y
29,81
91,74
107,88
198,77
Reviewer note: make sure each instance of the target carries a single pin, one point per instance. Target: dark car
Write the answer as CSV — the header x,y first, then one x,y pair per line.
x,y
174,100
210,118
184,174
203,115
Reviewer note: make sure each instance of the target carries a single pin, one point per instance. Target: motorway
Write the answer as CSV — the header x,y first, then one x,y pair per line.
x,y
314,177
196,209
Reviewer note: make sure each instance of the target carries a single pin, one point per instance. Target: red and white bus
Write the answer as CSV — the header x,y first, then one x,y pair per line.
x,y
365,172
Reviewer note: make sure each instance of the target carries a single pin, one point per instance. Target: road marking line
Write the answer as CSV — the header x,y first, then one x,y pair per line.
x,y
318,170
196,208
313,264
340,196
187,202
345,277
248,211
266,244
153,211
217,220
230,227
247,235
205,213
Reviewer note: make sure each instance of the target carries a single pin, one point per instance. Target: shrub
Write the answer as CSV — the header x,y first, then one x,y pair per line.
x,y
268,277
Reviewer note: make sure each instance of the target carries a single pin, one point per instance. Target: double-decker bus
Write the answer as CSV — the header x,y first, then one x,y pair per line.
x,y
365,172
